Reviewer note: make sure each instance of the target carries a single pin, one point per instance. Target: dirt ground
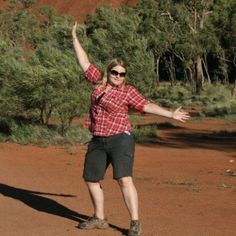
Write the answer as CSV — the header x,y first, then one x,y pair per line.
x,y
186,184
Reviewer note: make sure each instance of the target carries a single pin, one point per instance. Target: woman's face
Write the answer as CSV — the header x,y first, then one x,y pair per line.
x,y
117,75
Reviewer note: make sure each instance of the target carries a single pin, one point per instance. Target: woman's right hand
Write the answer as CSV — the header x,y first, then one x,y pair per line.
x,y
74,30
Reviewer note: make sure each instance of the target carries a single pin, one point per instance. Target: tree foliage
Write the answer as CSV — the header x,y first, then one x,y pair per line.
x,y
191,42
113,33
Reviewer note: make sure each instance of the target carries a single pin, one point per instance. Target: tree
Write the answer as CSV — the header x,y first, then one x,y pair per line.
x,y
18,24
224,21
113,33
53,82
10,104
159,28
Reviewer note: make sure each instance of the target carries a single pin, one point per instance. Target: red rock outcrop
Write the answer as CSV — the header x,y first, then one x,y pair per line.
x,y
79,9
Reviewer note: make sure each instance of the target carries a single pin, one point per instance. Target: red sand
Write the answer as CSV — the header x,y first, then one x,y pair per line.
x,y
183,186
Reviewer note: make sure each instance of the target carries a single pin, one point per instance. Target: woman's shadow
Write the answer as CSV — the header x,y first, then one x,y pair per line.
x,y
38,202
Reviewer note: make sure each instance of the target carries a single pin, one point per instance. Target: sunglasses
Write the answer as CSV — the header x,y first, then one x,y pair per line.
x,y
116,73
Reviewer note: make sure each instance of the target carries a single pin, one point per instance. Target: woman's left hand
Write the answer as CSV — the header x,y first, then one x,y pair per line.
x,y
180,115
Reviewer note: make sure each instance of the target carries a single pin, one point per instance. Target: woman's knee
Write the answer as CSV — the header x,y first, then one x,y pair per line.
x,y
125,181
91,185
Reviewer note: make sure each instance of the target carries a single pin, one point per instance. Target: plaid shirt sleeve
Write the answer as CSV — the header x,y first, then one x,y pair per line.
x,y
137,100
93,74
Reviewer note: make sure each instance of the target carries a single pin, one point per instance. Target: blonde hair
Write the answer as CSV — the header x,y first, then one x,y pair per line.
x,y
113,63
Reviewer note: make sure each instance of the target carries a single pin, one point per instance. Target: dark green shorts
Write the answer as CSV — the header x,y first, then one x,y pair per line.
x,y
117,150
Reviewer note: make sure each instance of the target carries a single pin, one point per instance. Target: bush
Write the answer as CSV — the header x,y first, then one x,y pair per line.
x,y
77,134
216,98
233,107
220,110
173,96
146,133
3,138
216,93
23,132
32,134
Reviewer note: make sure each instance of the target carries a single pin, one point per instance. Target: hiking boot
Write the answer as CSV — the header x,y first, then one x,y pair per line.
x,y
94,223
135,228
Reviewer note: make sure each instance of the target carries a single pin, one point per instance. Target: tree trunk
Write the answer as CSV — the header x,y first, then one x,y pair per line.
x,y
172,70
48,116
41,116
204,62
224,70
157,70
185,75
169,63
191,80
234,90
199,75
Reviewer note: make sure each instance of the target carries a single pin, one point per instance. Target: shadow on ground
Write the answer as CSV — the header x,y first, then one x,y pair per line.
x,y
180,137
38,202
221,141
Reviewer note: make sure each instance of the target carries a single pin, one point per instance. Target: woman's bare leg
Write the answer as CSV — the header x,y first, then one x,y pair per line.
x,y
130,196
97,197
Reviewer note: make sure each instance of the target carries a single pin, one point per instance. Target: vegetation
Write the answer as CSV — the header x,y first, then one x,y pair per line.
x,y
22,132
146,133
179,52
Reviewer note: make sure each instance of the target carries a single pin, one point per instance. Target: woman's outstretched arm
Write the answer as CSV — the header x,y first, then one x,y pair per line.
x,y
80,53
157,110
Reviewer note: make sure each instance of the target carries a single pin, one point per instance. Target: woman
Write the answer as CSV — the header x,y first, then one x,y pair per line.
x,y
112,141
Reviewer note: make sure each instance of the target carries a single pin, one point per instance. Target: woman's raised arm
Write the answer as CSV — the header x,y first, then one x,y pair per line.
x,y
80,53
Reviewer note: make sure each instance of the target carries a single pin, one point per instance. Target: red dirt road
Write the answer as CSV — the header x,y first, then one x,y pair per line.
x,y
184,189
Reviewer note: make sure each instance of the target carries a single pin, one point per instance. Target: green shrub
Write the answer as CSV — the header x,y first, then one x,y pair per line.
x,y
77,134
233,107
216,99
134,119
216,93
10,125
173,96
23,132
146,133
220,109
34,134
3,138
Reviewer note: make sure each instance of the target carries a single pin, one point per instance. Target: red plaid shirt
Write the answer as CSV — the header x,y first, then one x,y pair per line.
x,y
108,113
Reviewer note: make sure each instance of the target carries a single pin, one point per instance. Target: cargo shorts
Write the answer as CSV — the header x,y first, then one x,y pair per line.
x,y
117,150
